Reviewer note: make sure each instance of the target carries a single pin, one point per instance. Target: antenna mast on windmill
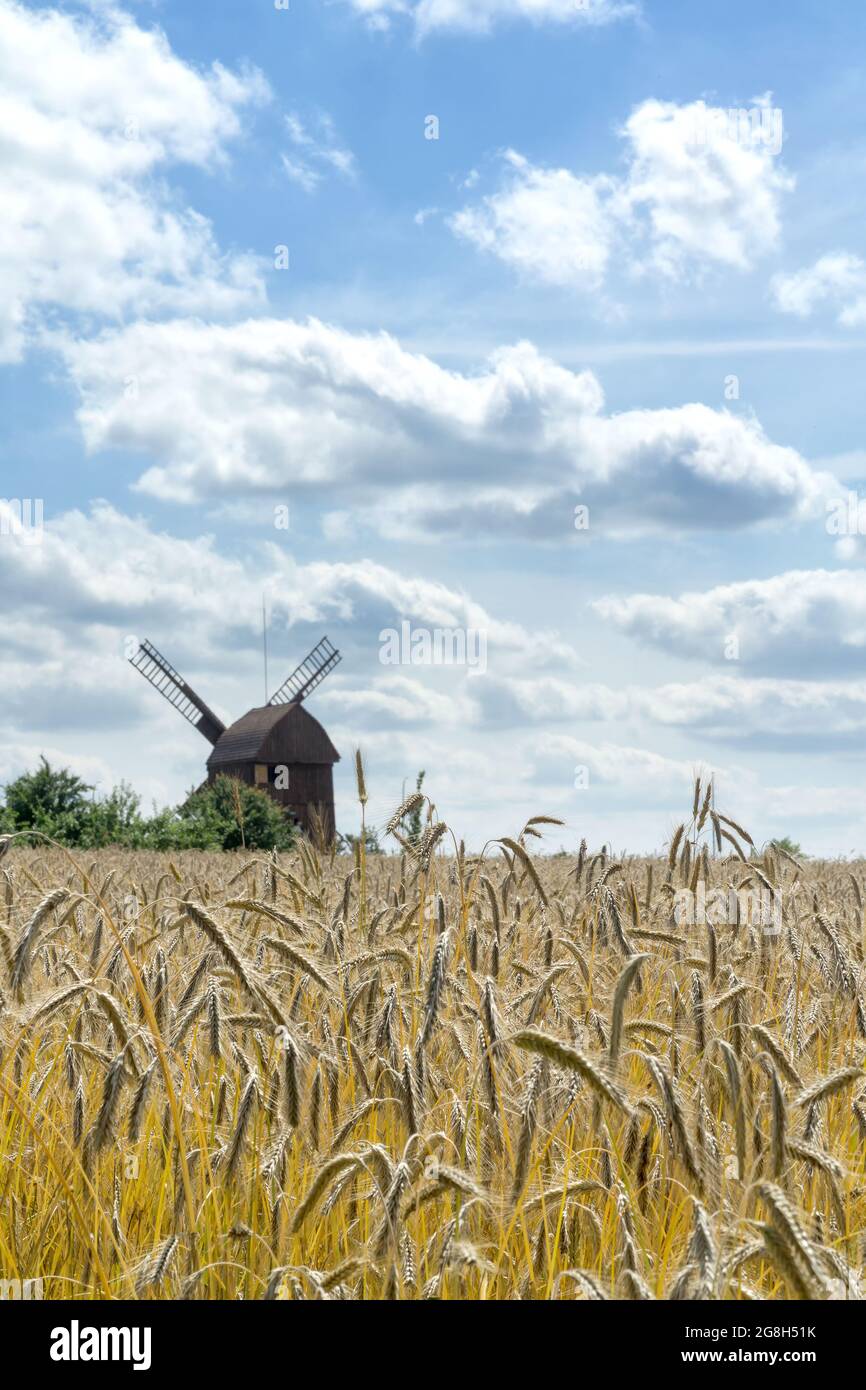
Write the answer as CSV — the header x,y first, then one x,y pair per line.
x,y
265,642
278,747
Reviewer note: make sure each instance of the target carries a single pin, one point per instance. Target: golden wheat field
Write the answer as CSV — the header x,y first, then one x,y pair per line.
x,y
433,1075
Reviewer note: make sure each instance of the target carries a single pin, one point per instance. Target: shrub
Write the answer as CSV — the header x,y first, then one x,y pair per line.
x,y
225,815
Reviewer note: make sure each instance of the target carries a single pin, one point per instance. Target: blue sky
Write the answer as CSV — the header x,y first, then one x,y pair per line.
x,y
584,291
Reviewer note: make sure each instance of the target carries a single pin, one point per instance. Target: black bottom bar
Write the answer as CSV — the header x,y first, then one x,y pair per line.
x,y
661,1339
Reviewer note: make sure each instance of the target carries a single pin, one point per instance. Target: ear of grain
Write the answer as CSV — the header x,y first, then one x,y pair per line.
x,y
572,1060
433,1074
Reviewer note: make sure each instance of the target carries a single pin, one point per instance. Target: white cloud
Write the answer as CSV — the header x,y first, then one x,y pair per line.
x,y
300,173
837,279
803,713
643,775
806,714
691,197
18,758
480,16
544,222
94,110
400,700
810,623
316,151
108,573
709,198
409,448
549,699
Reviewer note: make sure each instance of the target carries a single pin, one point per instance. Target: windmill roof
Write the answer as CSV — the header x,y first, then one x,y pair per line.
x,y
272,734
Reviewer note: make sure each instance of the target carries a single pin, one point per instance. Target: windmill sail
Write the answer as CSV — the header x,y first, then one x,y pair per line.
x,y
311,672
164,678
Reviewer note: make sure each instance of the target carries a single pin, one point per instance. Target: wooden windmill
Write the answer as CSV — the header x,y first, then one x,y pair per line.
x,y
278,747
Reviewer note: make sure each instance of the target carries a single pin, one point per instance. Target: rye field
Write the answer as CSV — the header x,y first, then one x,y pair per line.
x,y
433,1074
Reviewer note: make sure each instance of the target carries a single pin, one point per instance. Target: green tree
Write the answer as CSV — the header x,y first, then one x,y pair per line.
x,y
788,845
371,841
52,800
114,819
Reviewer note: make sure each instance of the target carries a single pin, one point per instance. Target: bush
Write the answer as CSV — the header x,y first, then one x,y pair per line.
x,y
231,815
225,815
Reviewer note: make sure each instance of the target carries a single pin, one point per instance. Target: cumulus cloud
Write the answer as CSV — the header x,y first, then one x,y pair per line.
x,y
480,16
837,280
95,110
711,191
398,700
806,714
546,223
810,623
410,448
638,772
700,190
104,575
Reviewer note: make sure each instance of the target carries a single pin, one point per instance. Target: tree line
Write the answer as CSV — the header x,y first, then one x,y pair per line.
x,y
223,815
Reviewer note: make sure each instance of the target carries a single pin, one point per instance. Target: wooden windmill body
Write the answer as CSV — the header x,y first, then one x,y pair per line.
x,y
278,747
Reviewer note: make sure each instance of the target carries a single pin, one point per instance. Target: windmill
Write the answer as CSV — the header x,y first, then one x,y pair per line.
x,y
278,747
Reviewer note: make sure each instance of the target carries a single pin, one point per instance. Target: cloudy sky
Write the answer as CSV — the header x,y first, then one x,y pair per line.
x,y
541,319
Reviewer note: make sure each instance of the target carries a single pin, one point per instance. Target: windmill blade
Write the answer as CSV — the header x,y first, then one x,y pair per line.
x,y
164,678
311,672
